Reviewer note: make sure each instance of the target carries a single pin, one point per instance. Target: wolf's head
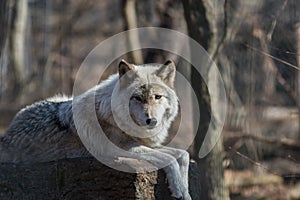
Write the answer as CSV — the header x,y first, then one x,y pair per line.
x,y
147,93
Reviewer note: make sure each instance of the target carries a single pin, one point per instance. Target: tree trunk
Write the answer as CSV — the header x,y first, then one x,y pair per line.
x,y
85,178
298,61
14,47
4,15
202,26
4,12
133,38
19,50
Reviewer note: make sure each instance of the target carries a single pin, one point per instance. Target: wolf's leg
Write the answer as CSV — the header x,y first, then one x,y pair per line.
x,y
172,169
183,159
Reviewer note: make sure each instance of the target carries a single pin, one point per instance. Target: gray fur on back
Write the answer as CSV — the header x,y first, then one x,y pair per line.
x,y
41,132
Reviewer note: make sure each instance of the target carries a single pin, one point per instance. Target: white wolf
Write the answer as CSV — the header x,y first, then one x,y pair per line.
x,y
143,109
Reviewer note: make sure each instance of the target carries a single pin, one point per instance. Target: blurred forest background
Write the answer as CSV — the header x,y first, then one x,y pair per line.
x,y
255,43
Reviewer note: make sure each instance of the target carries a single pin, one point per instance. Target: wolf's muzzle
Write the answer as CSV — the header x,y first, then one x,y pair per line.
x,y
151,122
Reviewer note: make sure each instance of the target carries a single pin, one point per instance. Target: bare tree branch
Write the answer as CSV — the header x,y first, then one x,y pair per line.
x,y
275,58
284,142
274,22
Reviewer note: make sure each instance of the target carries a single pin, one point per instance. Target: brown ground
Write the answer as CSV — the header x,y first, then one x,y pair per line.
x,y
248,185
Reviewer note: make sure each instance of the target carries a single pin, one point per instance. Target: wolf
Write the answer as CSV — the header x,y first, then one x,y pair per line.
x,y
134,107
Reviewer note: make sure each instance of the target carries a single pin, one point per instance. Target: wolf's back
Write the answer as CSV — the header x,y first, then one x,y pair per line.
x,y
38,134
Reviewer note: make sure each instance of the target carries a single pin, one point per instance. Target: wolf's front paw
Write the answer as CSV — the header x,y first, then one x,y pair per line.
x,y
181,194
187,196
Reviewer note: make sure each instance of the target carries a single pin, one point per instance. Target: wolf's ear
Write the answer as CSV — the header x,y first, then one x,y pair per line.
x,y
124,67
167,73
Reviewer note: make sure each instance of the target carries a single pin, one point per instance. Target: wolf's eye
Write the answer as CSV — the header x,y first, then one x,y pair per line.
x,y
158,96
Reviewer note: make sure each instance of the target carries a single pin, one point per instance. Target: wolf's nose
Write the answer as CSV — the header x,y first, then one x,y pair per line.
x,y
151,121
